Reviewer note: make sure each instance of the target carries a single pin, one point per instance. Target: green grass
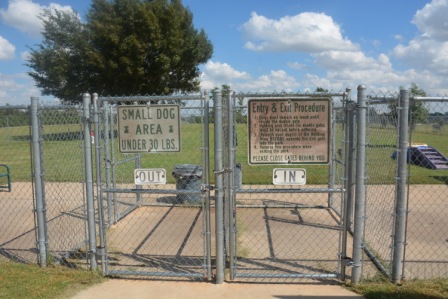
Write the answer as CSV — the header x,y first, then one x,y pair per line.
x,y
63,155
30,281
413,289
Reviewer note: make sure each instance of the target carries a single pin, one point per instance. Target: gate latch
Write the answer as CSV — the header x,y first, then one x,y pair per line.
x,y
347,261
205,187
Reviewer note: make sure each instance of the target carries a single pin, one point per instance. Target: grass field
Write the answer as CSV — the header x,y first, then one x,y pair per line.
x,y
30,281
62,149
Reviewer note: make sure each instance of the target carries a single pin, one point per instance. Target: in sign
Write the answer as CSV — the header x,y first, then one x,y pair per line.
x,y
150,176
289,176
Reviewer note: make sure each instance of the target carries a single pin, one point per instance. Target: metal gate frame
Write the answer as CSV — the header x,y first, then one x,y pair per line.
x,y
349,108
107,189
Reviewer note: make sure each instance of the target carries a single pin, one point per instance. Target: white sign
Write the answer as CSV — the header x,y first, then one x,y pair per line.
x,y
289,131
150,129
289,176
152,176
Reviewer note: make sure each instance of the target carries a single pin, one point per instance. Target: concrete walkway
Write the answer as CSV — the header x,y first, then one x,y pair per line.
x,y
140,289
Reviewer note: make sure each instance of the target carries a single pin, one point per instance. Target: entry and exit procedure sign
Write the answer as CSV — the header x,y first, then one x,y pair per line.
x,y
151,129
289,130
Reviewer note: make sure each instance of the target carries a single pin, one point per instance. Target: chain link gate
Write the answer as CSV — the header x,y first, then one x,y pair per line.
x,y
283,232
152,186
45,218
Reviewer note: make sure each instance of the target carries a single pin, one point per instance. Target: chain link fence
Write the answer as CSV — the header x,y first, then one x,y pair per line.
x,y
64,188
17,238
426,252
272,232
62,170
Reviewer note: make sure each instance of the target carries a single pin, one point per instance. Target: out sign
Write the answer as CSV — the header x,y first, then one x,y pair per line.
x,y
289,176
150,176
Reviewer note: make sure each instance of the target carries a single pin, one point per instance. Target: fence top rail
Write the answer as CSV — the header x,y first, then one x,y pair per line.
x,y
60,107
289,95
152,98
430,99
7,107
380,100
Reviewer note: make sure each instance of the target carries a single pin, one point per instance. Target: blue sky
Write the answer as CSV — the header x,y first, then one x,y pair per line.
x,y
282,45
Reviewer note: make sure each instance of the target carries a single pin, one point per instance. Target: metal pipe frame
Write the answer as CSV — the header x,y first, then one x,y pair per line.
x,y
219,186
38,183
231,182
208,238
358,222
316,190
288,276
400,202
349,182
99,194
89,183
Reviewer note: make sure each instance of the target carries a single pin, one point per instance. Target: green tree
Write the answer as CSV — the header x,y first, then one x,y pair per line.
x,y
321,89
125,47
417,111
60,62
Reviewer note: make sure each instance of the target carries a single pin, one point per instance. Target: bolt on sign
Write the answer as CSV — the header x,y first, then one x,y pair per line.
x,y
289,131
151,129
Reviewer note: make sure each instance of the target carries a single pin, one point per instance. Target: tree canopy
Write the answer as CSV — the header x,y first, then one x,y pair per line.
x,y
124,47
417,111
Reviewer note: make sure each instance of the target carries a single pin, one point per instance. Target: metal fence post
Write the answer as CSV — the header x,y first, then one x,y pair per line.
x,y
219,192
38,183
99,193
107,159
400,202
359,189
349,183
231,181
207,183
89,183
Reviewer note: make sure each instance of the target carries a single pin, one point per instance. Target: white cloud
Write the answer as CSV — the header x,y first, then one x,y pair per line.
x,y
277,80
431,20
216,73
337,60
17,89
25,55
428,51
297,65
7,49
224,72
344,63
24,15
305,32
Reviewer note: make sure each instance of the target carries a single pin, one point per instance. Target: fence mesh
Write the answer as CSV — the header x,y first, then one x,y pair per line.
x,y
426,251
63,170
17,238
158,230
381,171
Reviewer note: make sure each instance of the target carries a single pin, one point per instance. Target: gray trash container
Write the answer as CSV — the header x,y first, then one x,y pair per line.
x,y
188,177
